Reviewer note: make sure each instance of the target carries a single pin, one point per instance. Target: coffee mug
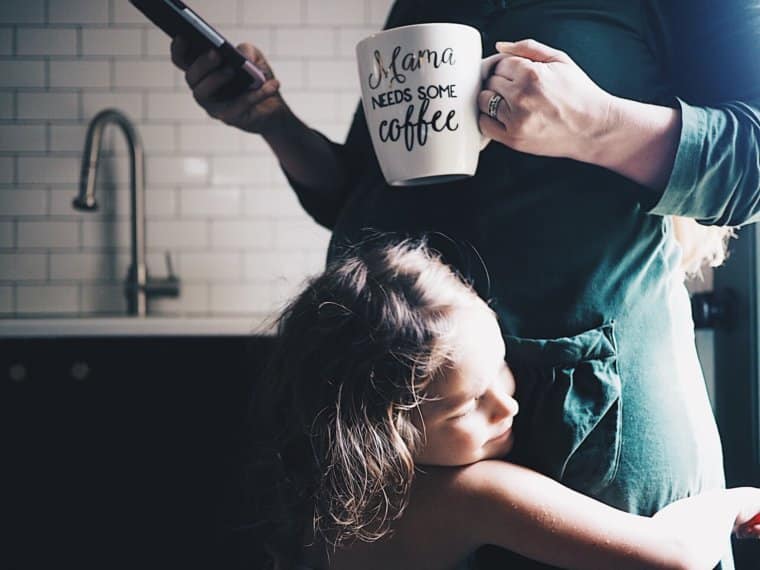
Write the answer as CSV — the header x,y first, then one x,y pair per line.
x,y
420,87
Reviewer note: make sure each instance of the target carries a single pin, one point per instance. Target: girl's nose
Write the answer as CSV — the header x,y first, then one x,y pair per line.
x,y
505,406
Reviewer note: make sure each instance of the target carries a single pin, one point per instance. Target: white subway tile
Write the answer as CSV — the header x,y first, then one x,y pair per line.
x,y
89,266
25,202
67,137
177,234
48,234
60,203
112,201
238,299
48,169
6,235
78,12
157,138
22,12
241,170
290,73
46,41
260,38
313,106
157,43
6,299
335,12
269,265
216,12
177,170
6,41
246,234
104,299
192,300
333,131
106,235
22,73
80,74
211,202
215,138
378,12
161,203
270,202
6,170
143,74
301,234
179,106
22,138
283,291
349,37
332,74
49,106
23,266
6,105
112,41
47,299
255,144
128,103
211,266
265,12
125,13
304,42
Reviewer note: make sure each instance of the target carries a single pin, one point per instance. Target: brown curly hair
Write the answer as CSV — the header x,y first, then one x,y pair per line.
x,y
354,353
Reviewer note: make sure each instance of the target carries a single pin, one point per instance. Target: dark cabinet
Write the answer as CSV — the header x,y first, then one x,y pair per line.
x,y
125,452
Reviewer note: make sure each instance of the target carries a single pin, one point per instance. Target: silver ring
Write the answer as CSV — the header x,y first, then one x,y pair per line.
x,y
493,105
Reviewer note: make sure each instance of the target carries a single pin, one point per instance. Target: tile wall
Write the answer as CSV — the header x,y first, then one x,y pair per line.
x,y
216,199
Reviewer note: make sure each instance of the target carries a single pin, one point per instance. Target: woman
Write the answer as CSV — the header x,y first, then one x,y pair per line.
x,y
614,117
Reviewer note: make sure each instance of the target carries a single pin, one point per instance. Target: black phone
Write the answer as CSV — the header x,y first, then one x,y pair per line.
x,y
177,19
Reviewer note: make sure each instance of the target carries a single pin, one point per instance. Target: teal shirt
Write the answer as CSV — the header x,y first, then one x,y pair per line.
x,y
580,262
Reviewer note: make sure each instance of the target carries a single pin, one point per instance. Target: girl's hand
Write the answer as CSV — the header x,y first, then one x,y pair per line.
x,y
252,111
748,522
550,106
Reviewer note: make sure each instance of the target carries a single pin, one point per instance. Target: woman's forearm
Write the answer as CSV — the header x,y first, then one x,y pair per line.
x,y
304,154
637,140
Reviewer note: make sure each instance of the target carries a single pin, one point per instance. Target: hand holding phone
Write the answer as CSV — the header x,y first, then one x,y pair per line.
x,y
178,20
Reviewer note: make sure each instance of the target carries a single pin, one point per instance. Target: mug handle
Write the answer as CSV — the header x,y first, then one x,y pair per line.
x,y
485,71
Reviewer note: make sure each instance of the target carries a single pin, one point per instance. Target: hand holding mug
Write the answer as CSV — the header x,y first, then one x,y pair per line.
x,y
548,105
253,111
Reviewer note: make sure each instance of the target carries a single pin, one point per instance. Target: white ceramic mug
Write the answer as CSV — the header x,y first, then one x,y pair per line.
x,y
420,87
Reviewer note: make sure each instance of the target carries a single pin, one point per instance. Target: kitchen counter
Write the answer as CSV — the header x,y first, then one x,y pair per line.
x,y
134,326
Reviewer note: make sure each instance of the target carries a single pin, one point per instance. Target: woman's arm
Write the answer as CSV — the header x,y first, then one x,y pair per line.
x,y
518,509
709,49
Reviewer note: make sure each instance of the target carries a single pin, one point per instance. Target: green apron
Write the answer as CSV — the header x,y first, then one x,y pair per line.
x,y
579,262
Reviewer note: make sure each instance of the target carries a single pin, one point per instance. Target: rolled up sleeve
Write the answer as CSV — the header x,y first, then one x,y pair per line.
x,y
714,63
716,173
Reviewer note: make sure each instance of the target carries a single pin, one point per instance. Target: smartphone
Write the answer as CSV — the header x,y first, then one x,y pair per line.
x,y
177,19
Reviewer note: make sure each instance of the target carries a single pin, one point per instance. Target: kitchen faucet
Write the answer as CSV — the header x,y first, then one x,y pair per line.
x,y
139,286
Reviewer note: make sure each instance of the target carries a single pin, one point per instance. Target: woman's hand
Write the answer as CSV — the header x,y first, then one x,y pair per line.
x,y
252,111
550,107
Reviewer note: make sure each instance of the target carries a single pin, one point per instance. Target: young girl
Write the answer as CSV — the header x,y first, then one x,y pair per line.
x,y
385,416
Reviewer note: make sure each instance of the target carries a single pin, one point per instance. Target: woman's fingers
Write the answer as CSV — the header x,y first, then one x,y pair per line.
x,y
247,103
202,66
180,53
204,90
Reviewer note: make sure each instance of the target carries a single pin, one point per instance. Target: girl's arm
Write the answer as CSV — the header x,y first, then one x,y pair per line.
x,y
513,507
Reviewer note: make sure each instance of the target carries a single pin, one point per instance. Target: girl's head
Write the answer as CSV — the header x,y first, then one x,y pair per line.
x,y
386,360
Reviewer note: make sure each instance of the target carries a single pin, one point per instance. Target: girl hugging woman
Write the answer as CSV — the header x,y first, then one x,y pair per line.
x,y
384,425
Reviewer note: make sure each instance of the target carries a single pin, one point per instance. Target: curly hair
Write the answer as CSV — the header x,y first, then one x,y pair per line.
x,y
354,353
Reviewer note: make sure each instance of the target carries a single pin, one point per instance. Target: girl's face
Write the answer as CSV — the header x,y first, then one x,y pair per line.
x,y
471,416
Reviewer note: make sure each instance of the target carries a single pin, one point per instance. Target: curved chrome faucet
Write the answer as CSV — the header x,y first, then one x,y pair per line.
x,y
138,285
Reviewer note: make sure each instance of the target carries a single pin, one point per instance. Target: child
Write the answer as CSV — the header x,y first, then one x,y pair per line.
x,y
384,405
